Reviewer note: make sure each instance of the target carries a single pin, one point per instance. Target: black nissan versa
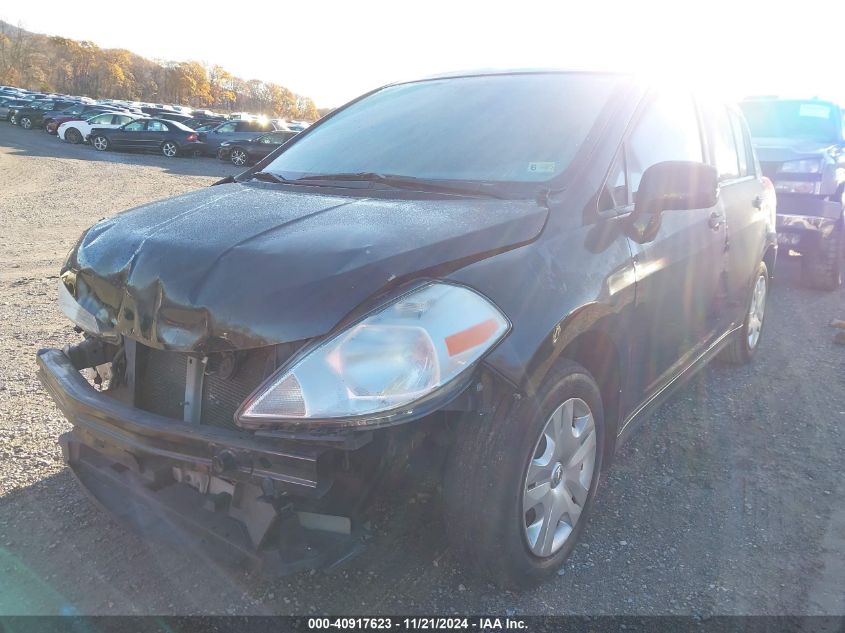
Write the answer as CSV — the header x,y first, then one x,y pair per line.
x,y
408,275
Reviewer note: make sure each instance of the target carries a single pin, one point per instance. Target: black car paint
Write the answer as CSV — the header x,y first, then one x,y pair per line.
x,y
254,148
242,129
38,116
126,138
220,296
640,316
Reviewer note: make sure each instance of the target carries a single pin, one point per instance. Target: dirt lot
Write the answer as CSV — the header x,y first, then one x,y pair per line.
x,y
730,501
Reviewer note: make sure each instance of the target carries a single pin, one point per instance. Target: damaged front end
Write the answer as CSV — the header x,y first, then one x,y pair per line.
x,y
248,390
161,453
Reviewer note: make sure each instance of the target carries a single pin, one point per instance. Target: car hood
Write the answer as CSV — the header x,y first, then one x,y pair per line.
x,y
783,149
239,266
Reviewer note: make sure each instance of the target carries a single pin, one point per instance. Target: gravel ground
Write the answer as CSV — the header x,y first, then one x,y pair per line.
x,y
731,500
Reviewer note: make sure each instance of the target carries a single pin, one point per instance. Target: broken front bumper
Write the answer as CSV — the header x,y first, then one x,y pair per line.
x,y
225,491
803,221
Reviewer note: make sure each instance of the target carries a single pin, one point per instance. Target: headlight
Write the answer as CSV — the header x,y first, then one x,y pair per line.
x,y
798,186
79,315
806,166
397,356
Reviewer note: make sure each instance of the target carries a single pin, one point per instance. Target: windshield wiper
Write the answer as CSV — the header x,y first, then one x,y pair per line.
x,y
404,182
268,177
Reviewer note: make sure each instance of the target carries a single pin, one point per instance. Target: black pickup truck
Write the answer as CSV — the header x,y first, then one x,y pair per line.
x,y
801,149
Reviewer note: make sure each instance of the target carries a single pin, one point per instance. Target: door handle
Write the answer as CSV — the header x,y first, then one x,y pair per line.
x,y
757,203
715,220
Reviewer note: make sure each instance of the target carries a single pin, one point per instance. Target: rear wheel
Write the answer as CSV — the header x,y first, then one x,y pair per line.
x,y
26,123
520,484
822,268
741,349
169,149
100,143
72,135
238,157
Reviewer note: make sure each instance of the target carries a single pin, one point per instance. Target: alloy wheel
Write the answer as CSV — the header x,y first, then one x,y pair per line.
x,y
169,149
558,478
757,311
238,157
100,143
26,123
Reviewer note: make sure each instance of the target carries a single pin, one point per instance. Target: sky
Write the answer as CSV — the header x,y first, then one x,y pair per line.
x,y
334,50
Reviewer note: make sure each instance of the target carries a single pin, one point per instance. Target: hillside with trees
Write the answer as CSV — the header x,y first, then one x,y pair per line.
x,y
58,64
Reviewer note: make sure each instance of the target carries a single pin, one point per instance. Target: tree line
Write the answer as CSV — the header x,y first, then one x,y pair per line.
x,y
58,64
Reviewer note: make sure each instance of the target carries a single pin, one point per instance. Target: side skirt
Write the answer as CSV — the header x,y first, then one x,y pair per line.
x,y
644,411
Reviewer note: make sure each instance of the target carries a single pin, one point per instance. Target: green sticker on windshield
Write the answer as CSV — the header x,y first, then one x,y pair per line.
x,y
541,168
815,110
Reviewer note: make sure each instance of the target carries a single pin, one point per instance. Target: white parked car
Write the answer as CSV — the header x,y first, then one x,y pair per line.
x,y
77,131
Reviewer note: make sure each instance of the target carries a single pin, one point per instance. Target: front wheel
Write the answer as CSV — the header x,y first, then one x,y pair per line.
x,y
73,136
520,483
169,149
26,123
744,344
100,143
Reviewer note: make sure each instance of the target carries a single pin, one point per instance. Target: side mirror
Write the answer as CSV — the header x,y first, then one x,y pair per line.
x,y
671,186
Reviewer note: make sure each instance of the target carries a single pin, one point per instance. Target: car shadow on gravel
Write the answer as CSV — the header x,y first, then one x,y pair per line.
x,y
37,143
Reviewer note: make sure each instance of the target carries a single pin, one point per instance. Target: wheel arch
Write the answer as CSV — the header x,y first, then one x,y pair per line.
x,y
769,258
596,351
585,337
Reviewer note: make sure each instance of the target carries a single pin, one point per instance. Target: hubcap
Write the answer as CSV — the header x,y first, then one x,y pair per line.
x,y
558,478
756,311
238,158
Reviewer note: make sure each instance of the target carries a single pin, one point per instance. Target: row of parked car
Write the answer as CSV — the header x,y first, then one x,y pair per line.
x,y
170,130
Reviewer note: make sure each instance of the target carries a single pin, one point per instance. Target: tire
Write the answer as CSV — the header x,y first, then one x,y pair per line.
x,y
745,342
238,156
169,149
490,512
73,136
100,143
26,123
822,269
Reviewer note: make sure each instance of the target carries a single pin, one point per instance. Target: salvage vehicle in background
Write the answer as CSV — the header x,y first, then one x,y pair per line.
x,y
238,130
79,111
76,131
7,105
513,299
801,147
29,117
171,138
251,150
